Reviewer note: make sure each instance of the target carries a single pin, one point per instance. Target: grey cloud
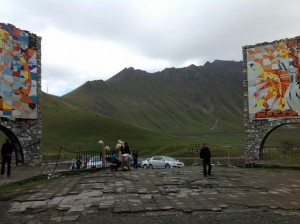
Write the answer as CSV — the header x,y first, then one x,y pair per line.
x,y
185,30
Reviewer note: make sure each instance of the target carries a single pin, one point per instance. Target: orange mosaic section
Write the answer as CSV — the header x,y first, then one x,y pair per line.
x,y
274,80
276,113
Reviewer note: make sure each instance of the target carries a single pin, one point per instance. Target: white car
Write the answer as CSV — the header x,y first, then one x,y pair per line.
x,y
145,163
164,162
95,162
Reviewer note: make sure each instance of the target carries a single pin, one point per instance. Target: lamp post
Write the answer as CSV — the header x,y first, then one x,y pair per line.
x,y
228,152
102,151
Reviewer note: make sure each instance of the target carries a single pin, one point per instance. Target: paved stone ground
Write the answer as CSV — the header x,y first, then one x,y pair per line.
x,y
231,195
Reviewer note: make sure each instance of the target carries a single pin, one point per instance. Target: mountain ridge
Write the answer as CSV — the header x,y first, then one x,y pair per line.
x,y
180,101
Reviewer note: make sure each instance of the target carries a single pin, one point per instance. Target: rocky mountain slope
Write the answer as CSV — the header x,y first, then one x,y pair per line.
x,y
186,101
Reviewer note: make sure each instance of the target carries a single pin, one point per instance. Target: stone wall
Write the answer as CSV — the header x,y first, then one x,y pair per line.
x,y
26,134
257,131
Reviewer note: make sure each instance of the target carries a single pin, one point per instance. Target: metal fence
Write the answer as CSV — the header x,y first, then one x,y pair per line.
x,y
288,151
91,159
195,147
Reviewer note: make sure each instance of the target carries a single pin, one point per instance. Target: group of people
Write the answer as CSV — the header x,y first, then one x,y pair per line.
x,y
124,158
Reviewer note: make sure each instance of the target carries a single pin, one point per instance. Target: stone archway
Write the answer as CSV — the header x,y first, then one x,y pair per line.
x,y
26,138
262,146
271,91
257,134
19,156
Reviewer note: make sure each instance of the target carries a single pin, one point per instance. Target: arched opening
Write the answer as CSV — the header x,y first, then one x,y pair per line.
x,y
282,142
19,157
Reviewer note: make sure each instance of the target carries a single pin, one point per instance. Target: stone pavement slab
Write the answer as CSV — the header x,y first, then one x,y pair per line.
x,y
142,191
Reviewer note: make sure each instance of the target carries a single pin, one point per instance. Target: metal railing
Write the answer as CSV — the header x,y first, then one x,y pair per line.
x,y
91,159
288,151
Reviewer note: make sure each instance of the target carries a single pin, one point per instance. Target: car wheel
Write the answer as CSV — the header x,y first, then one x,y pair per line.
x,y
167,166
150,166
145,166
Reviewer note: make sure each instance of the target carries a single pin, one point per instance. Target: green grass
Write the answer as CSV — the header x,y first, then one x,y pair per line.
x,y
80,130
75,129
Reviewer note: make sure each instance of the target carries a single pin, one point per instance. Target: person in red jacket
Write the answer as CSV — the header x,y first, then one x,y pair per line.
x,y
205,155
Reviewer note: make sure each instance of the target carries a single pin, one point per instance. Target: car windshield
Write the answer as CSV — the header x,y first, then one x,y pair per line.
x,y
170,159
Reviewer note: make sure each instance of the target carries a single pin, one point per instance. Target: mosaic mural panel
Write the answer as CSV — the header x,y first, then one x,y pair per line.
x,y
18,74
274,80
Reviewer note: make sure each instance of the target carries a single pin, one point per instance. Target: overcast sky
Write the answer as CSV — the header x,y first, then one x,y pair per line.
x,y
95,39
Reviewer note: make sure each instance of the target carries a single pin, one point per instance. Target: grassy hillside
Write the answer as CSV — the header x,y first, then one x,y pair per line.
x,y
188,102
76,129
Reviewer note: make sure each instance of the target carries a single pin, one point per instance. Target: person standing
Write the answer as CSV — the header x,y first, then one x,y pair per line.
x,y
78,164
126,148
205,155
135,156
126,157
6,154
122,148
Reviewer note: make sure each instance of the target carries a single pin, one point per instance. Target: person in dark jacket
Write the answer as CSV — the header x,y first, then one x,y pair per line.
x,y
6,153
126,148
205,155
135,156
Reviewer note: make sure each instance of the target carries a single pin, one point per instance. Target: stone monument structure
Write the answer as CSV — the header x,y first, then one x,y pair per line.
x,y
271,90
20,92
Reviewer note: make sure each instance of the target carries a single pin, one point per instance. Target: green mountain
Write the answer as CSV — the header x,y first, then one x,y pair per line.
x,y
75,129
189,102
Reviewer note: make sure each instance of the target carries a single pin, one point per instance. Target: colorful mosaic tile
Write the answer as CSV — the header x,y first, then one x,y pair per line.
x,y
18,74
274,80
